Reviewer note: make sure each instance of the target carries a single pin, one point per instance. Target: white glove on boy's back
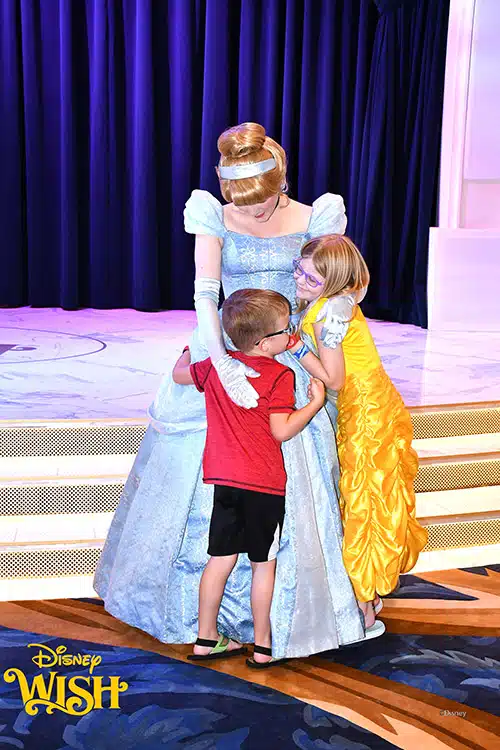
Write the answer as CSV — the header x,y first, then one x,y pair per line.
x,y
232,374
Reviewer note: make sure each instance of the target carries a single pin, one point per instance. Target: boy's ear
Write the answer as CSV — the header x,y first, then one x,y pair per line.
x,y
264,345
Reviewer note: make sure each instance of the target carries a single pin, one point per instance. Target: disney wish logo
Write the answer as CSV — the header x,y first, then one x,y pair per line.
x,y
75,695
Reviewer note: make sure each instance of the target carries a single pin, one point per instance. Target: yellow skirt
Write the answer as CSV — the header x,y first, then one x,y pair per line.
x,y
382,537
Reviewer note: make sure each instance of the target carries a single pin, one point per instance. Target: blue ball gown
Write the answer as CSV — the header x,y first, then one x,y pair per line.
x,y
156,548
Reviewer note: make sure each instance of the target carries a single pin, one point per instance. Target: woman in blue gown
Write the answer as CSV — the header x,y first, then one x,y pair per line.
x,y
156,549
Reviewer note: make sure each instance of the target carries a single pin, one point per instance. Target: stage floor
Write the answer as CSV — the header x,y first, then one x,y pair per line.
x,y
102,364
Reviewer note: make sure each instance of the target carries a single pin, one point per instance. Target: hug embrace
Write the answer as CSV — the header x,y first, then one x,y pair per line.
x,y
298,513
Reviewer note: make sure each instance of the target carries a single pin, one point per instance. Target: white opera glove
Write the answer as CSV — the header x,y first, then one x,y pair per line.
x,y
232,373
233,376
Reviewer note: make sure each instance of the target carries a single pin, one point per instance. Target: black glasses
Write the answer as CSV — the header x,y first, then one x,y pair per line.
x,y
310,280
290,329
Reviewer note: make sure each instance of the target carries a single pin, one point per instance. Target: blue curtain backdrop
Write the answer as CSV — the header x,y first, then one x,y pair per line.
x,y
110,112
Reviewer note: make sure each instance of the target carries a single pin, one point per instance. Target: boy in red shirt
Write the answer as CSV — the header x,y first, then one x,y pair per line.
x,y
243,461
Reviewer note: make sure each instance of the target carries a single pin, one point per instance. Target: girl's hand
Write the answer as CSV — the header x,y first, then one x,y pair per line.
x,y
316,391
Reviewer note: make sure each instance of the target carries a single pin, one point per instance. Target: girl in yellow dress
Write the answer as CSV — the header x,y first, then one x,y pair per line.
x,y
382,537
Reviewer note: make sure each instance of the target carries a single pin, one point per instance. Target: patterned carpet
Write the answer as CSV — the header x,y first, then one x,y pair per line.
x,y
433,681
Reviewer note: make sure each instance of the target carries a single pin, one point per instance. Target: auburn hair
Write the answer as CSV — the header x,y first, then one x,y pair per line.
x,y
249,315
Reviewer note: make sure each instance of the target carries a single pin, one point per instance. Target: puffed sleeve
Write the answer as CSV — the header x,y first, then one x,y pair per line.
x,y
335,315
203,214
328,216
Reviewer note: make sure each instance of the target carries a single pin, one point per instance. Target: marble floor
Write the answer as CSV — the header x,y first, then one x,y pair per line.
x,y
56,364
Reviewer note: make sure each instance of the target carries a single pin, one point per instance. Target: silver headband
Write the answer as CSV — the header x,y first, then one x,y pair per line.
x,y
246,170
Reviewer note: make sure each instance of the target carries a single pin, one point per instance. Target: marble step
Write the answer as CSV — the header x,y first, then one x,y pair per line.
x,y
75,484
454,557
66,523
458,503
457,445
458,472
37,467
68,577
460,542
27,588
104,436
36,567
26,468
72,528
455,419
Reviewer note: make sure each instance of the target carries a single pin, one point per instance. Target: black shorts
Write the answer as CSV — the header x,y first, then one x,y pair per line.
x,y
246,521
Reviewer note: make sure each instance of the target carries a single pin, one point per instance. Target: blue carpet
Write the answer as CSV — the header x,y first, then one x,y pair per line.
x,y
462,668
465,669
169,705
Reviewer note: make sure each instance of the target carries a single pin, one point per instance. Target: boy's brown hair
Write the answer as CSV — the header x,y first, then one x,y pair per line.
x,y
249,315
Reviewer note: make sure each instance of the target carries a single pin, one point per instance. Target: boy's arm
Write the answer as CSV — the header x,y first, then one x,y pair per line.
x,y
285,426
328,367
181,373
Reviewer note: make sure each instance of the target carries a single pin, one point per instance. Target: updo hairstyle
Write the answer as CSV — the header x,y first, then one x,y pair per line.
x,y
245,144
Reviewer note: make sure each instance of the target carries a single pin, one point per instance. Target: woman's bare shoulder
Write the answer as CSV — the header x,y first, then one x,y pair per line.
x,y
301,210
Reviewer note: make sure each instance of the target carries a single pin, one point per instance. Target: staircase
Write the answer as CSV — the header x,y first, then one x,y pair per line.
x,y
458,484
60,483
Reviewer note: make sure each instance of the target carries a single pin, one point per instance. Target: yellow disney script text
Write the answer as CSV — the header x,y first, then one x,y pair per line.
x,y
76,695
46,657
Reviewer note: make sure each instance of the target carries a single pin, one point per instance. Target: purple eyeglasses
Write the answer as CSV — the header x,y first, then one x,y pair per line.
x,y
310,280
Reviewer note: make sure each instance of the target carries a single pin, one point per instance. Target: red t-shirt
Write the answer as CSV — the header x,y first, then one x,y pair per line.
x,y
240,450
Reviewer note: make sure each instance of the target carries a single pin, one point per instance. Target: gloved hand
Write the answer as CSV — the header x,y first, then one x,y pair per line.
x,y
338,313
233,376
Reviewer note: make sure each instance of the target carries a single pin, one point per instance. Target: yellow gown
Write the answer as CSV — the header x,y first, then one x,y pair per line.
x,y
382,537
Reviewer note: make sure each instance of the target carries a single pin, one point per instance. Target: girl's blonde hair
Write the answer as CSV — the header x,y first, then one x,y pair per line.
x,y
245,144
338,260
